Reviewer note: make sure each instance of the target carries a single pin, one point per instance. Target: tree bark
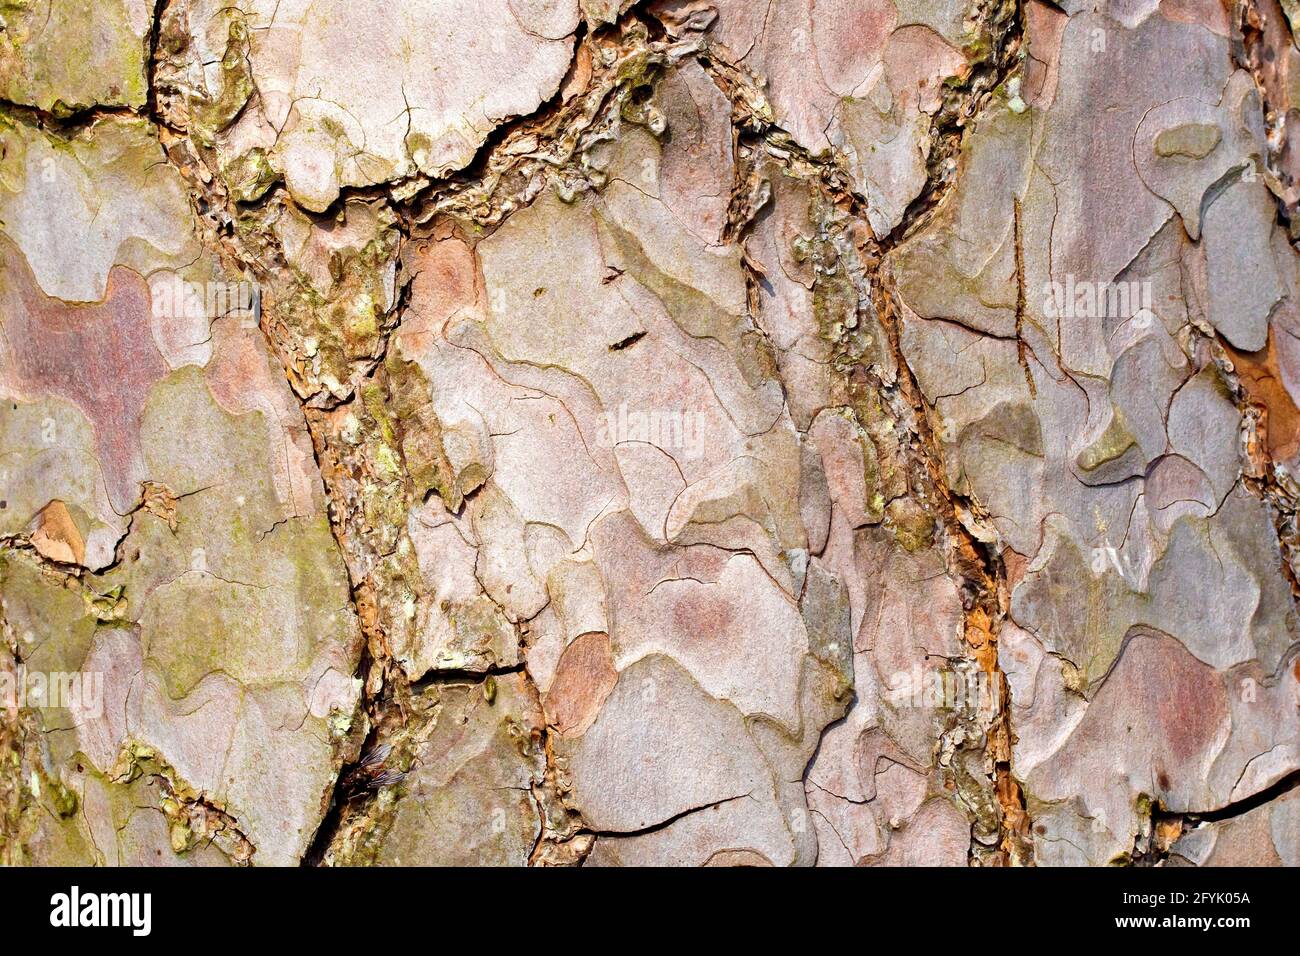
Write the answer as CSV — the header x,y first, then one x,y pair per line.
x,y
690,432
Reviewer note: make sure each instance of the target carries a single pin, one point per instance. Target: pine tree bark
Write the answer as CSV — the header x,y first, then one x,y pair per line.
x,y
684,432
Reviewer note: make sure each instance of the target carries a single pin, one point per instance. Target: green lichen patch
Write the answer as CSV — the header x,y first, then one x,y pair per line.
x,y
67,56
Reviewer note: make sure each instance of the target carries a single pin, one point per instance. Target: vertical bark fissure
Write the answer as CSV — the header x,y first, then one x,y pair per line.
x,y
1001,833
395,723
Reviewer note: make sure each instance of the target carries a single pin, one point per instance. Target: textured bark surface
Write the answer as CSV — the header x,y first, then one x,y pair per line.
x,y
690,432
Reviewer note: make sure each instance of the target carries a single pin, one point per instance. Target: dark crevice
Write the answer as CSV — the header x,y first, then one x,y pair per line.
x,y
1002,30
1155,843
151,64
439,676
1239,807
628,342
665,824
